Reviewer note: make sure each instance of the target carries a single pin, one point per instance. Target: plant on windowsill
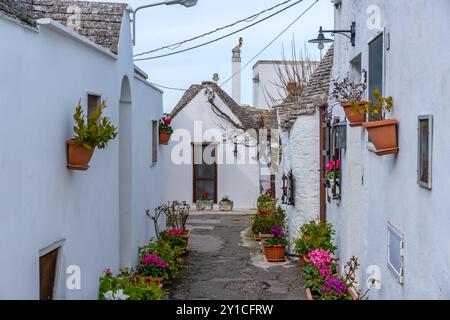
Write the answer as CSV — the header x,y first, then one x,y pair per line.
x,y
165,129
314,236
95,131
204,203
225,204
350,96
382,133
275,247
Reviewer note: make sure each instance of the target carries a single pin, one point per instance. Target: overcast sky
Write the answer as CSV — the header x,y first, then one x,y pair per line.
x,y
164,25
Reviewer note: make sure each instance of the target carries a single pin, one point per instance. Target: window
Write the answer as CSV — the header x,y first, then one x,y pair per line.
x,y
288,195
154,141
376,67
395,252
424,154
93,102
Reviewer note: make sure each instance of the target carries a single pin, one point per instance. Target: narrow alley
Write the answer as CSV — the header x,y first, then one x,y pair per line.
x,y
224,262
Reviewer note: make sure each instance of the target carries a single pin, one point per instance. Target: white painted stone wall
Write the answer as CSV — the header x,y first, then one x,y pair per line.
x,y
237,178
382,190
44,74
301,155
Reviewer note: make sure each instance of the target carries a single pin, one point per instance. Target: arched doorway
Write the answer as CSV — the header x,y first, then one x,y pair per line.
x,y
125,171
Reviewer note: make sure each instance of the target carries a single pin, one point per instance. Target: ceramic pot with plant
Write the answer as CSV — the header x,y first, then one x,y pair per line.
x,y
225,204
350,96
152,268
94,132
382,133
275,247
314,236
165,129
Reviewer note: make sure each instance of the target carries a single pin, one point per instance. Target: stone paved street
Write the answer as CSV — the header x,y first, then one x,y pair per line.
x,y
224,262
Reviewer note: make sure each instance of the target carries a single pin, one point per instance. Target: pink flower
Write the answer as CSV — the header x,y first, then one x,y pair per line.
x,y
107,271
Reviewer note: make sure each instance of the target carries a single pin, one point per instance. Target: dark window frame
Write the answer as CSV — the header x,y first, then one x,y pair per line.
x,y
425,184
371,86
154,147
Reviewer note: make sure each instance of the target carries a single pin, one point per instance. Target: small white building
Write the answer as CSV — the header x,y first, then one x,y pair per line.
x,y
299,186
206,121
392,211
58,224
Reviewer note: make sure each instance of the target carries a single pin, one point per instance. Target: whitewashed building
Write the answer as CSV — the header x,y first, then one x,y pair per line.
x,y
299,186
58,224
392,211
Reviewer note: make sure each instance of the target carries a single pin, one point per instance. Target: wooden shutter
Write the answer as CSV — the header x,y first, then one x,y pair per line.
x,y
47,274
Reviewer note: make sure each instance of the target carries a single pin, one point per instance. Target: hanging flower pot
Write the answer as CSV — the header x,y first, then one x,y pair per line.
x,y
383,135
91,133
165,129
78,156
164,137
355,112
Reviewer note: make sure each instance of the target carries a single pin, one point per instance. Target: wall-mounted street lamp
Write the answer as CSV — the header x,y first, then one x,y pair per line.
x,y
186,3
321,40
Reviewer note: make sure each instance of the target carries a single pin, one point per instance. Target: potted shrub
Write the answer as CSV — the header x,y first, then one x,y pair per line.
x,y
262,224
165,129
225,204
152,268
275,247
95,131
382,133
177,214
350,96
314,236
204,203
266,204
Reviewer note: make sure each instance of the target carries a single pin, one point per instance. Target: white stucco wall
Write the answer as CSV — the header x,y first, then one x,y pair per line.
x,y
238,179
301,155
44,74
382,190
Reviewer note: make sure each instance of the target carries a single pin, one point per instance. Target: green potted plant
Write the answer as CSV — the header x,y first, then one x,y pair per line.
x,y
350,96
165,129
275,247
382,133
314,236
95,131
262,224
266,204
225,204
126,287
204,203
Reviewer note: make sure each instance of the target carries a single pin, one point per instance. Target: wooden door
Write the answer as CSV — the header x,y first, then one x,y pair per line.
x,y
204,172
323,158
47,274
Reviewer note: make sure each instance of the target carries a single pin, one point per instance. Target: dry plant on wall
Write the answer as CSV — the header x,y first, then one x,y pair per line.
x,y
291,76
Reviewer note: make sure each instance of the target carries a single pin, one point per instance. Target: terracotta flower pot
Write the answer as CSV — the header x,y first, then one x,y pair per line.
x,y
263,238
78,156
383,135
164,137
355,118
302,261
351,292
275,253
185,237
266,213
257,237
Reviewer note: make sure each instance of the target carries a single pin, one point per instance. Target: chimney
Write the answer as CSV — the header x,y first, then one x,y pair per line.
x,y
236,72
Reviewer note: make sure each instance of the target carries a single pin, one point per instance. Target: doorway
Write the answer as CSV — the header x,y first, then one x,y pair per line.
x,y
47,274
204,172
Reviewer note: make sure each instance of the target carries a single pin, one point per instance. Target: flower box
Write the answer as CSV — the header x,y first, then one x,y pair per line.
x,y
225,205
204,205
352,292
383,135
